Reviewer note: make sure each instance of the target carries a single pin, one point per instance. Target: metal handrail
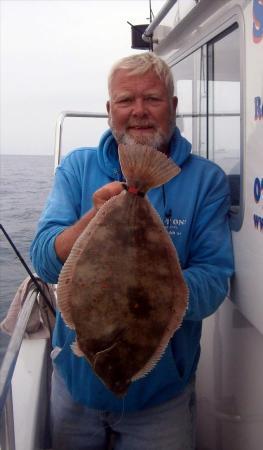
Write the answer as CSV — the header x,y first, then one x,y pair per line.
x,y
9,361
7,436
7,426
59,128
64,114
148,33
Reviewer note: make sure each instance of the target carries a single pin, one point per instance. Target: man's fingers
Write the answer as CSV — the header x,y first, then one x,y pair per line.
x,y
106,192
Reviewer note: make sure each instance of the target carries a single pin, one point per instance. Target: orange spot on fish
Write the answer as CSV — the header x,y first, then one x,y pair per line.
x,y
133,190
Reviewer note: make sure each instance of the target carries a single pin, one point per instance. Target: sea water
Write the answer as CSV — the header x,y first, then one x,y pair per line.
x,y
24,186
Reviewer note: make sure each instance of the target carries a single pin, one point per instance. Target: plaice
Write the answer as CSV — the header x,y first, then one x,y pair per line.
x,y
122,287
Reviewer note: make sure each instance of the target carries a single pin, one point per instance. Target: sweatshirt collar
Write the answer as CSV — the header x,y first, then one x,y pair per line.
x,y
180,150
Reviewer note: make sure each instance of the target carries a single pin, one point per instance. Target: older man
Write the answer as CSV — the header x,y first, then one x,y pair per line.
x,y
158,410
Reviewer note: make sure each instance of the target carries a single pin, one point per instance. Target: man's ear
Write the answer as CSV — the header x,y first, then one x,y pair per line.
x,y
108,107
175,102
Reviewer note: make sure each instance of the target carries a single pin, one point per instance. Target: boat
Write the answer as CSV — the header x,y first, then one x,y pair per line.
x,y
215,51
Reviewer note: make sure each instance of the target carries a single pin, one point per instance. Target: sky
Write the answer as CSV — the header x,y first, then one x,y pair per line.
x,y
55,56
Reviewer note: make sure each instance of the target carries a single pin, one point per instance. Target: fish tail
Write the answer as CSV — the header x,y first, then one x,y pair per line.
x,y
145,167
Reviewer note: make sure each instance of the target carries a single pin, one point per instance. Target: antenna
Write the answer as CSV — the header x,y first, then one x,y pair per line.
x,y
137,31
151,11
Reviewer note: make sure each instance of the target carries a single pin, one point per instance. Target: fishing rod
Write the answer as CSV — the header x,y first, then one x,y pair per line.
x,y
33,278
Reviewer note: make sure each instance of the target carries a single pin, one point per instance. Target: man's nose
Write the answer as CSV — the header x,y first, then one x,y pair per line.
x,y
139,107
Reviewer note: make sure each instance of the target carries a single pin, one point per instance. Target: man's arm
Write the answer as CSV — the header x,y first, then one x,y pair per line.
x,y
65,240
65,215
210,262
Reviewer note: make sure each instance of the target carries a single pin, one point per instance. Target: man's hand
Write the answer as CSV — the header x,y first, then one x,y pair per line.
x,y
105,193
65,240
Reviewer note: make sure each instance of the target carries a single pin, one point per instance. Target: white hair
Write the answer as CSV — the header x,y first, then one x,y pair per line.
x,y
141,63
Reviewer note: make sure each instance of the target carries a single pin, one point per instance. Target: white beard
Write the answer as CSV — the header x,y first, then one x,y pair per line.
x,y
156,140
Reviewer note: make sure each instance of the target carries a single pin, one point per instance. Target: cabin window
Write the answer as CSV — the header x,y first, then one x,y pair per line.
x,y
224,108
207,84
191,89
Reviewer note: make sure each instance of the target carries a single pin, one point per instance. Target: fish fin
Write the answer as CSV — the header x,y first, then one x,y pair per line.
x,y
65,310
76,349
64,296
149,366
145,167
65,289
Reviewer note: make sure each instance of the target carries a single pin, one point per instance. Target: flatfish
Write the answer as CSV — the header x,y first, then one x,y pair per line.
x,y
121,288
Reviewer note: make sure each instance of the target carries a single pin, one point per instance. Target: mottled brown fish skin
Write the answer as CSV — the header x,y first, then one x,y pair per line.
x,y
123,296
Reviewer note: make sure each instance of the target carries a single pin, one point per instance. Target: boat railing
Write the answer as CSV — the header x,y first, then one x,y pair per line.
x,y
7,432
59,129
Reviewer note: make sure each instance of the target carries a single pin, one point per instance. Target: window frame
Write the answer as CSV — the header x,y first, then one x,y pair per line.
x,y
227,27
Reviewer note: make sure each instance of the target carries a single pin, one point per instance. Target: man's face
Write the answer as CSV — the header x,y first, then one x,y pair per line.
x,y
140,110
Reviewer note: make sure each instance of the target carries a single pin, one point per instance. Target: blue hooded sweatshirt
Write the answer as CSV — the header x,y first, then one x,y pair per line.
x,y
194,208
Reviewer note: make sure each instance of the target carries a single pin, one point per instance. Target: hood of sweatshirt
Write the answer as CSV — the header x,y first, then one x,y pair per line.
x,y
179,151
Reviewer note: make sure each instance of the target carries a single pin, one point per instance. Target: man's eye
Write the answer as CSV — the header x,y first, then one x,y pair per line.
x,y
153,99
125,100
